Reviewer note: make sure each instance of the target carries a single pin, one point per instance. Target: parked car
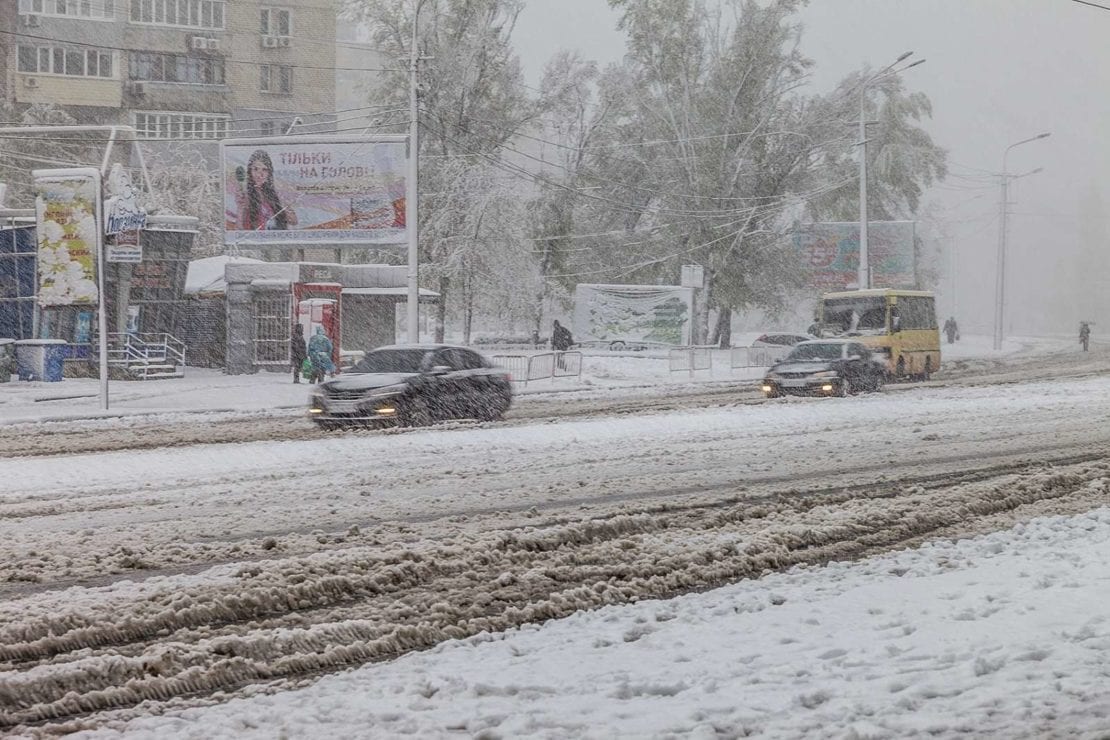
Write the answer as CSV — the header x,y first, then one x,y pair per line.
x,y
413,385
780,340
825,367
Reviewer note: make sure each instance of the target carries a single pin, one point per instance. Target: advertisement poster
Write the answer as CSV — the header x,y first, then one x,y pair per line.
x,y
305,191
66,216
829,253
646,313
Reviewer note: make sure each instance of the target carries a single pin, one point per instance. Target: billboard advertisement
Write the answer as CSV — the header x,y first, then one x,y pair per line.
x,y
639,313
829,253
314,191
67,220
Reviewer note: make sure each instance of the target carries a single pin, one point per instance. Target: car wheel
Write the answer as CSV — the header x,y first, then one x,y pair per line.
x,y
415,413
877,383
617,346
493,409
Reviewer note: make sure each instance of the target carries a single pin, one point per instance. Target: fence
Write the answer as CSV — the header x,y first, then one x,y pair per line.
x,y
544,366
690,359
756,356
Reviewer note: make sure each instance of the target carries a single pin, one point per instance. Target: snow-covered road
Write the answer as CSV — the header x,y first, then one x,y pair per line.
x,y
212,567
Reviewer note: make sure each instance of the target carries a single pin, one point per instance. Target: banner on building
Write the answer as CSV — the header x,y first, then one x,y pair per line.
x,y
636,313
314,191
67,222
829,254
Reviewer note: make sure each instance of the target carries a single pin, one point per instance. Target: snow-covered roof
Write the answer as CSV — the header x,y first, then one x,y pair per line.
x,y
207,275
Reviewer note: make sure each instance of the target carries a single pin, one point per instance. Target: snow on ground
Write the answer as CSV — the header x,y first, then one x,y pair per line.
x,y
1003,635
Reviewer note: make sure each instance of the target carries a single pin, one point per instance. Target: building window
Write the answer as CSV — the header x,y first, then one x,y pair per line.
x,y
188,13
57,60
276,78
153,67
277,22
105,9
170,125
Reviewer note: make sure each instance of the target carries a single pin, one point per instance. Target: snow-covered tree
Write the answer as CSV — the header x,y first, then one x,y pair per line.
x,y
183,185
472,102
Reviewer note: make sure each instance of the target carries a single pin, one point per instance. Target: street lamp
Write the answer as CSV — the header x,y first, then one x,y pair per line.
x,y
864,276
1000,275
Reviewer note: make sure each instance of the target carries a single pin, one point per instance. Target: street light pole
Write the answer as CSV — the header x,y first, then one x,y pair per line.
x,y
411,194
863,278
1000,274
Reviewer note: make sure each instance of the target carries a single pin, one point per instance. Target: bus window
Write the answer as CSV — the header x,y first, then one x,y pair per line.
x,y
866,314
917,313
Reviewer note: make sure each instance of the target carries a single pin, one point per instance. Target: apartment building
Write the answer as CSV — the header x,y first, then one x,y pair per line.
x,y
175,69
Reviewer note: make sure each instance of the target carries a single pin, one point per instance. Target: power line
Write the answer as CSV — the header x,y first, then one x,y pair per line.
x,y
680,212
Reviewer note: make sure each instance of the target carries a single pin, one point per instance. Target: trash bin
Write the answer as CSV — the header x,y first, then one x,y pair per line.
x,y
7,359
40,359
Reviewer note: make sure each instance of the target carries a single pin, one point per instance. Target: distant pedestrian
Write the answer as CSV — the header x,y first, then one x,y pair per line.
x,y
298,352
1084,334
319,351
952,330
561,338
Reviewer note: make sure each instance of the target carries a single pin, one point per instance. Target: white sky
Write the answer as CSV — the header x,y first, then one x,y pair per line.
x,y
998,71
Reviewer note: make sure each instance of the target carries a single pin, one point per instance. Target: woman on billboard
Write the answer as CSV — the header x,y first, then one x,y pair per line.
x,y
260,208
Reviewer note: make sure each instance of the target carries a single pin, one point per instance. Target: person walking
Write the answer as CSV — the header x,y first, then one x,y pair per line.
x,y
561,340
298,352
951,330
1084,334
319,351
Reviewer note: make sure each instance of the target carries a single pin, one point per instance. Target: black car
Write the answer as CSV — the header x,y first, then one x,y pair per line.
x,y
413,385
824,367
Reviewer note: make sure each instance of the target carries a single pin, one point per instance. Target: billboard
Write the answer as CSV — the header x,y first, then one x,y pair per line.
x,y
314,191
67,221
829,253
644,313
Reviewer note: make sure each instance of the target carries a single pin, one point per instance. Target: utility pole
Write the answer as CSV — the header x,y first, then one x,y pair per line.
x,y
1000,274
411,210
864,275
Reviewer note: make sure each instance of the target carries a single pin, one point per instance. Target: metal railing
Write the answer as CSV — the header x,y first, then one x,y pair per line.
x,y
145,349
756,356
543,366
690,359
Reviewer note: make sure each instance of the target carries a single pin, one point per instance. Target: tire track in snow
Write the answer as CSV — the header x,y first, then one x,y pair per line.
x,y
296,617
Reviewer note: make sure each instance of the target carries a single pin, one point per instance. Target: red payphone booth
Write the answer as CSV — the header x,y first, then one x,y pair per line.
x,y
317,304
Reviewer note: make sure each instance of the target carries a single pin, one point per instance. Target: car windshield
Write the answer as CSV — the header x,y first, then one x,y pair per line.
x,y
391,361
815,352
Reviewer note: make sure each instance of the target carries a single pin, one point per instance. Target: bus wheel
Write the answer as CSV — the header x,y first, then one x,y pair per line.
x,y
928,368
900,370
